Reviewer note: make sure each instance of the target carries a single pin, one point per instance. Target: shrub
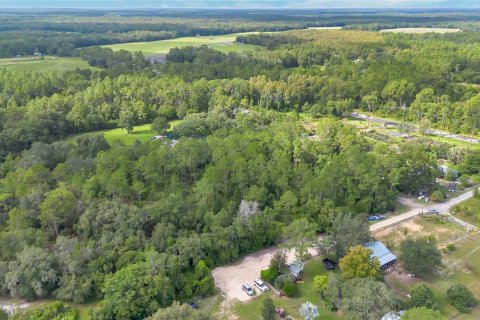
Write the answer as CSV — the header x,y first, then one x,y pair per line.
x,y
451,247
268,310
268,275
279,282
460,297
3,315
421,296
290,289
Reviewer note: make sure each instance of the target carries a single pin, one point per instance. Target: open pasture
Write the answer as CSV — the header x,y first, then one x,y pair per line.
x,y
225,43
421,30
43,64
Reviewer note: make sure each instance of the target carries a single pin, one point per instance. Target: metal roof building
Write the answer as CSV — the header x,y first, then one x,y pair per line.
x,y
381,252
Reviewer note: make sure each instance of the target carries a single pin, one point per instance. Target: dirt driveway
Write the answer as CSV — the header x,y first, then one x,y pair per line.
x,y
229,278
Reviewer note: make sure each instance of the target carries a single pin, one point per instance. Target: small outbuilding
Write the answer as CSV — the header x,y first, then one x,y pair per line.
x,y
381,252
296,269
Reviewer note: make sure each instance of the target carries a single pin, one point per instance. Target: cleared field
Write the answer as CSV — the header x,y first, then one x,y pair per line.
x,y
43,64
421,30
469,211
224,43
461,265
142,133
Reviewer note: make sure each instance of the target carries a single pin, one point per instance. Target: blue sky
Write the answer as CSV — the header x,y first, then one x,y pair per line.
x,y
242,3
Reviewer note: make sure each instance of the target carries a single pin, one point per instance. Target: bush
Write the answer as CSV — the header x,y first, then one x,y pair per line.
x,y
279,282
420,256
3,315
451,247
460,297
268,275
290,289
421,296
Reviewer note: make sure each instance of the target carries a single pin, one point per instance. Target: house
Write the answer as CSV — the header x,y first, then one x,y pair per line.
x,y
381,252
296,269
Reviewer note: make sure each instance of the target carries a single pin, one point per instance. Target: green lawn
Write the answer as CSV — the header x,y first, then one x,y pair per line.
x,y
252,310
459,266
142,133
469,211
43,64
224,43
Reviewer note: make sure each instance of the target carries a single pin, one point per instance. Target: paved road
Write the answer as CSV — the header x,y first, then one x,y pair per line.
x,y
434,132
441,207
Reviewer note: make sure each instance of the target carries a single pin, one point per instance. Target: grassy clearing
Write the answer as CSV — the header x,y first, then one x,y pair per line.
x,y
141,133
43,64
421,30
461,265
252,310
468,211
224,43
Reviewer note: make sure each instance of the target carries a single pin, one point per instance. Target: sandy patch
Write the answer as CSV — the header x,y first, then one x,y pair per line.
x,y
229,279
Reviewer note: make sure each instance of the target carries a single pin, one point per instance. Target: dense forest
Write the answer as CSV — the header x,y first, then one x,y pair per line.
x,y
136,227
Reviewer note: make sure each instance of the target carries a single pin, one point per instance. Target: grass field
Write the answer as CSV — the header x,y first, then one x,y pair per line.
x,y
459,266
252,310
469,211
141,133
224,43
421,30
43,64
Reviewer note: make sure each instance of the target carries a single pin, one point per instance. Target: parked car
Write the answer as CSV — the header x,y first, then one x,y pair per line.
x,y
328,264
248,290
375,218
260,285
193,305
433,211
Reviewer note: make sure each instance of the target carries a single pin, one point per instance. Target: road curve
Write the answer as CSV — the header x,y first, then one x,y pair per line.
x,y
441,207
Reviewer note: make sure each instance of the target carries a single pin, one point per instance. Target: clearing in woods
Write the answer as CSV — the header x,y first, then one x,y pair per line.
x,y
43,64
421,30
225,43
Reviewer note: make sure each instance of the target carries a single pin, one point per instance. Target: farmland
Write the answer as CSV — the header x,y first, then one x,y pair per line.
x,y
43,64
224,43
421,30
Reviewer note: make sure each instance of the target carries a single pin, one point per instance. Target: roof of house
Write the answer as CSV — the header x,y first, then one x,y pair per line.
x,y
381,252
296,268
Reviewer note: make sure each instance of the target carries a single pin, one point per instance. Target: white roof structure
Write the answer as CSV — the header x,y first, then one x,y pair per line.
x,y
381,252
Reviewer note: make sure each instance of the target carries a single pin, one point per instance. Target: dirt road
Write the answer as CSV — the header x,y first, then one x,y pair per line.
x,y
440,207
229,278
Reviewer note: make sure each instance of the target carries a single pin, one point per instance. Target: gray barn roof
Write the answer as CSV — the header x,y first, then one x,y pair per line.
x,y
381,252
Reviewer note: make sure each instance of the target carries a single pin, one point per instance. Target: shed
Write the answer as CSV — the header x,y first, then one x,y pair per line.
x,y
296,269
381,252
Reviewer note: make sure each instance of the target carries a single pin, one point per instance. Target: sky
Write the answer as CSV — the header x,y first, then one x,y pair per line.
x,y
233,4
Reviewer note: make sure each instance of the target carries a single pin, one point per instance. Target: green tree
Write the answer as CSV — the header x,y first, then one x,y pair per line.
x,y
300,234
126,120
366,298
33,275
347,231
58,209
160,125
268,310
421,296
422,313
460,297
320,282
359,264
134,294
179,311
420,256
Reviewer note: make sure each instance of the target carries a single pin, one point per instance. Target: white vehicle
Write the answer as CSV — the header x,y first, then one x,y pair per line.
x,y
260,285
248,289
